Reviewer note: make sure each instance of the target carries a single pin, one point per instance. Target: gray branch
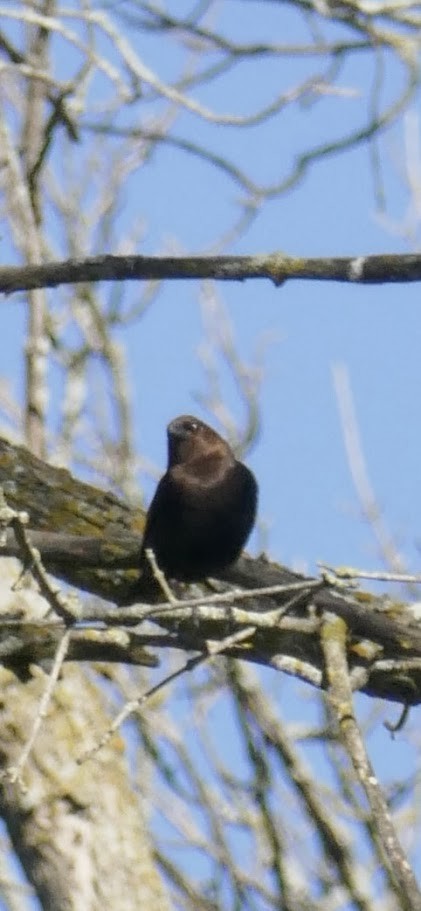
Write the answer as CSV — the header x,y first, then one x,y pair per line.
x,y
380,269
92,539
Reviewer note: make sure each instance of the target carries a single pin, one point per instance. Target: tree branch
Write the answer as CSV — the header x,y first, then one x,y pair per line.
x,y
278,267
334,636
92,540
67,831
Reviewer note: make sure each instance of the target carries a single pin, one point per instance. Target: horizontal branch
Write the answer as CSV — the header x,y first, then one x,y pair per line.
x,y
91,562
24,642
277,267
92,540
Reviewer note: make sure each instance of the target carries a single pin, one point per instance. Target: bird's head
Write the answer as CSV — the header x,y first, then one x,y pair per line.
x,y
190,439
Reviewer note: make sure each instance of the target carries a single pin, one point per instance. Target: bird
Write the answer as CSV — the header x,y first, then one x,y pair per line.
x,y
204,507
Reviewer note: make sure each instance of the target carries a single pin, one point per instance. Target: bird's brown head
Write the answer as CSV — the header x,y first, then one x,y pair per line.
x,y
189,438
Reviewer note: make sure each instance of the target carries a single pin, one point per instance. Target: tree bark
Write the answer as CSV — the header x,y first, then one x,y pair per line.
x,y
79,831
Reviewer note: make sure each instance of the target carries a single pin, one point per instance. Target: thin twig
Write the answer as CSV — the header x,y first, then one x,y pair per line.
x,y
135,614
349,572
213,649
15,773
394,727
358,469
160,576
31,558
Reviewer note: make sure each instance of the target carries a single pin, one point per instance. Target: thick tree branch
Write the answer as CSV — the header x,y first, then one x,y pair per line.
x,y
92,540
278,267
67,831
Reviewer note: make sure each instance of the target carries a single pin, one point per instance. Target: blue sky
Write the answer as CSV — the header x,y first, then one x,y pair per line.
x,y
308,505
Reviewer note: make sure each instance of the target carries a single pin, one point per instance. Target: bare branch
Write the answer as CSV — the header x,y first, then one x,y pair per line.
x,y
380,269
340,700
213,649
31,561
14,774
357,465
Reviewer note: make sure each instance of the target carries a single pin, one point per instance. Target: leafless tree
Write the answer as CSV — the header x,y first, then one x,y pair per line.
x,y
211,795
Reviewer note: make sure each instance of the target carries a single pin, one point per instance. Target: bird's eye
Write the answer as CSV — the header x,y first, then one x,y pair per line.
x,y
184,426
190,426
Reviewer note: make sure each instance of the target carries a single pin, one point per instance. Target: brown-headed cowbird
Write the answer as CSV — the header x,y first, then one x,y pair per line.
x,y
204,506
